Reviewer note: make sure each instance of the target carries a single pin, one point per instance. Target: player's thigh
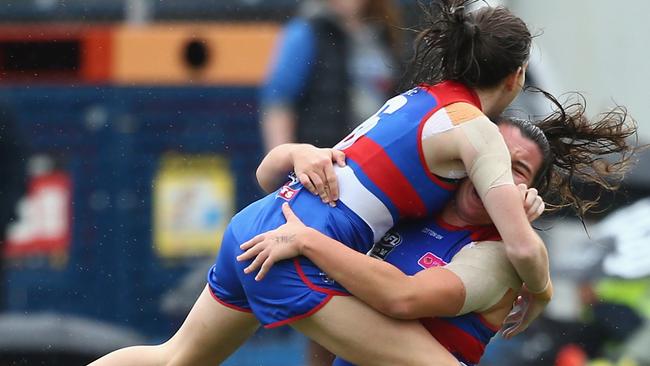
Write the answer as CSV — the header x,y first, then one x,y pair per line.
x,y
210,333
358,333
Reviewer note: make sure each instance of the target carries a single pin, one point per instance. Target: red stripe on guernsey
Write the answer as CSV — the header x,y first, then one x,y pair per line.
x,y
454,339
448,92
387,176
478,232
486,233
490,326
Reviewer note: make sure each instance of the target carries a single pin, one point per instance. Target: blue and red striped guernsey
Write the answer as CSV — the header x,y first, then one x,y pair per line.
x,y
387,178
415,246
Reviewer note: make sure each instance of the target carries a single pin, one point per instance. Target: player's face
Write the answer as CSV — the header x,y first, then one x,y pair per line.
x,y
526,161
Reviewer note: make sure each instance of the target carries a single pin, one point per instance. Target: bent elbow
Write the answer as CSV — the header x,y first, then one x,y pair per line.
x,y
262,181
400,307
525,251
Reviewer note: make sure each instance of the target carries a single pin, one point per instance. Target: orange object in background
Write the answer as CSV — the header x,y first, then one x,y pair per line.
x,y
232,54
158,54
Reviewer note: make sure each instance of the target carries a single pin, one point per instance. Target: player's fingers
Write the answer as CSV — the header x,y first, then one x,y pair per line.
x,y
510,329
266,266
251,243
531,195
541,208
339,157
289,214
533,208
505,332
513,318
332,183
522,190
306,182
250,253
516,330
320,186
257,262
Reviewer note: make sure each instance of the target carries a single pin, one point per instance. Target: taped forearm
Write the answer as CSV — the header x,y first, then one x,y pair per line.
x,y
488,165
486,273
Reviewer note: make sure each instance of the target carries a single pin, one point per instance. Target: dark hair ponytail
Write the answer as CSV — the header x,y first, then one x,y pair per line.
x,y
577,150
478,49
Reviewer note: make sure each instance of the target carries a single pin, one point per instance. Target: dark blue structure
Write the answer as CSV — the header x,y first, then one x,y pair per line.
x,y
110,139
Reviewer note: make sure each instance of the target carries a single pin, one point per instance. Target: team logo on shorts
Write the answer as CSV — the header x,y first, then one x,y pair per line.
x,y
385,245
326,279
429,260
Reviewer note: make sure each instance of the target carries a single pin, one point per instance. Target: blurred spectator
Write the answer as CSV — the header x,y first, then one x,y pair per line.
x,y
336,64
12,166
635,295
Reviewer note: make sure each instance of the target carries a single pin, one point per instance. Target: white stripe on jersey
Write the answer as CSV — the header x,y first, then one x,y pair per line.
x,y
363,203
438,122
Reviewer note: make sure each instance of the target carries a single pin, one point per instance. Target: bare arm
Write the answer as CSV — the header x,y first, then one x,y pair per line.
x,y
314,168
524,247
275,166
433,292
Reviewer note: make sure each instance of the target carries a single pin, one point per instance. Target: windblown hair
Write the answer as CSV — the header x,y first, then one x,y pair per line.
x,y
478,48
577,151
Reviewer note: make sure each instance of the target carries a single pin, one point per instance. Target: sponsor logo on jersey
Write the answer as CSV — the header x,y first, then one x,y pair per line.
x,y
385,245
429,260
432,233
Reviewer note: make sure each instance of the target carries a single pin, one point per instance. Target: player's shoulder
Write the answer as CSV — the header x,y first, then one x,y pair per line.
x,y
462,112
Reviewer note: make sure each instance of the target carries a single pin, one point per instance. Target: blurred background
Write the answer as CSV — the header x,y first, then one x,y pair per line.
x,y
130,131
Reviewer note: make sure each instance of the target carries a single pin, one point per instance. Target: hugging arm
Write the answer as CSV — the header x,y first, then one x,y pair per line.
x,y
379,284
433,292
313,168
